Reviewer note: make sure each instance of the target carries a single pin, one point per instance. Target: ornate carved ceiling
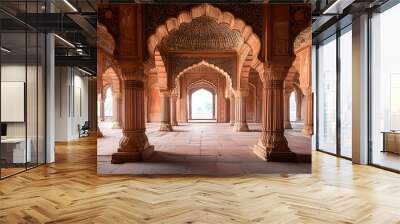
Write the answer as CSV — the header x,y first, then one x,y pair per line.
x,y
201,69
252,14
203,33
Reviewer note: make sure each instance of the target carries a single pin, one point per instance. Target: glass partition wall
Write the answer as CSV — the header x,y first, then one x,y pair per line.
x,y
22,98
385,89
334,93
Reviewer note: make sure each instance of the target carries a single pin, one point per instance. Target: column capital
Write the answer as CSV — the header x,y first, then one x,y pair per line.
x,y
165,93
131,69
240,92
276,72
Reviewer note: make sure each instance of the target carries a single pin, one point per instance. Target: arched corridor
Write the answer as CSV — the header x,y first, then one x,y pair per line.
x,y
206,65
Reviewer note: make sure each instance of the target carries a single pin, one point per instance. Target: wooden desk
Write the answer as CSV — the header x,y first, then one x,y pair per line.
x,y
391,141
13,150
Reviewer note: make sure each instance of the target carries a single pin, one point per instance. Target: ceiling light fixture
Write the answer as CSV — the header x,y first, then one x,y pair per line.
x,y
65,41
337,7
84,71
5,50
70,5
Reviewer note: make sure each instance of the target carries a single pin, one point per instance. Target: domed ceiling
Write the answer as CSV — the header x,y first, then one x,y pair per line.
x,y
203,33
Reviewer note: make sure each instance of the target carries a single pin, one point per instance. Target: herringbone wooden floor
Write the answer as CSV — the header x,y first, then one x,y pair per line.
x,y
70,191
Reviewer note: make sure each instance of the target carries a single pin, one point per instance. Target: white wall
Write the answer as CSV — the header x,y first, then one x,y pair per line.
x,y
71,102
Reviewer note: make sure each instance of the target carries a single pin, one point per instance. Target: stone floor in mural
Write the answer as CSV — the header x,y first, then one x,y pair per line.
x,y
201,149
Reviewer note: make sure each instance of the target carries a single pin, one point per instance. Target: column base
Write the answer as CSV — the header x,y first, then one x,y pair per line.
x,y
232,123
174,123
92,133
307,130
125,157
273,155
116,125
240,127
165,127
99,134
288,125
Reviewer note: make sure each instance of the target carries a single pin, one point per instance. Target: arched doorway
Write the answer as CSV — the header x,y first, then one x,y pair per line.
x,y
293,107
202,105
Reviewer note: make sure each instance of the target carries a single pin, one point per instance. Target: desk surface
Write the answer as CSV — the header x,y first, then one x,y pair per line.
x,y
13,140
390,132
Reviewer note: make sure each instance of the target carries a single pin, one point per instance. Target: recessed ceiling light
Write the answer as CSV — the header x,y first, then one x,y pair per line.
x,y
84,71
70,5
64,40
5,50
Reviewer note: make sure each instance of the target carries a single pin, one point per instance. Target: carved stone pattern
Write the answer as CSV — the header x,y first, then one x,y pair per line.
x,y
202,69
178,64
134,84
304,38
203,33
111,23
297,25
274,84
252,14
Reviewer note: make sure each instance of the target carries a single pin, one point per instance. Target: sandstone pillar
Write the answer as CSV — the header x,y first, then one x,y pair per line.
x,y
101,102
165,98
272,144
298,106
174,98
232,109
116,111
134,145
240,111
308,116
286,109
92,98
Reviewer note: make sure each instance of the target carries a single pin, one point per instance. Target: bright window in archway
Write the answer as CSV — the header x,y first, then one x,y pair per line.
x,y
292,106
108,103
202,104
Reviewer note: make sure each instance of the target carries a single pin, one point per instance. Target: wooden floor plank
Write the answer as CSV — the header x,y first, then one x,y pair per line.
x,y
70,191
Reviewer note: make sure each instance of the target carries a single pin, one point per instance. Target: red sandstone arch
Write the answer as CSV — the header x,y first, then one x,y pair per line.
x,y
248,50
209,65
202,84
250,38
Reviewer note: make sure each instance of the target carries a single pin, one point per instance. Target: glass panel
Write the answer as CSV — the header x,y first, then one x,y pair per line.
x,y
346,93
13,86
31,98
385,84
41,98
327,96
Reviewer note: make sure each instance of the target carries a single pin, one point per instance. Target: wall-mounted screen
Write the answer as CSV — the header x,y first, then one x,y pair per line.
x,y
12,101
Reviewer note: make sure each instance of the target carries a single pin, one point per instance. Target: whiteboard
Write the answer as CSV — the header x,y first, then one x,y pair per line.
x,y
12,101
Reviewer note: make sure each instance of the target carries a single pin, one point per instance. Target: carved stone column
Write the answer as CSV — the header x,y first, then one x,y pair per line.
x,y
232,109
286,109
134,145
92,95
165,104
101,102
116,111
272,145
240,111
308,117
174,98
298,106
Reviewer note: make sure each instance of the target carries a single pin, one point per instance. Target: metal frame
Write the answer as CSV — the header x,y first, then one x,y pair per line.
x,y
381,9
44,70
339,32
